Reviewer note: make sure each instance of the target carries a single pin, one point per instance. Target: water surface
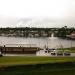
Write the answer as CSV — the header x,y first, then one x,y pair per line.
x,y
51,42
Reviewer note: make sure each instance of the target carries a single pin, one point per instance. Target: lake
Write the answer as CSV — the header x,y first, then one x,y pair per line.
x,y
51,42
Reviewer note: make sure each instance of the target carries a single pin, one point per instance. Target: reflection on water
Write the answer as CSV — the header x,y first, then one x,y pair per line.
x,y
51,42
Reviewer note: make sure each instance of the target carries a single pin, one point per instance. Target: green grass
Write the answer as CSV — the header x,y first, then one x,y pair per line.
x,y
21,60
40,69
72,50
21,65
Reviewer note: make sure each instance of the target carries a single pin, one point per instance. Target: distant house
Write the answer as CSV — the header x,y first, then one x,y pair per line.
x,y
36,35
72,35
30,35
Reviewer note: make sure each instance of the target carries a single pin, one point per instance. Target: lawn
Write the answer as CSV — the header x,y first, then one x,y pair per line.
x,y
21,65
22,60
72,50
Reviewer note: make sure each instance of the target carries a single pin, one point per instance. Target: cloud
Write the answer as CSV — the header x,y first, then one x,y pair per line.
x,y
37,13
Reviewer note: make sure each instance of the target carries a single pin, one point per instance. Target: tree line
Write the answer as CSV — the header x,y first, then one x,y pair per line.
x,y
25,32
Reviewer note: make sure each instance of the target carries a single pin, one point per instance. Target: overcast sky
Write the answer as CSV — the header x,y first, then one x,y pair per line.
x,y
44,13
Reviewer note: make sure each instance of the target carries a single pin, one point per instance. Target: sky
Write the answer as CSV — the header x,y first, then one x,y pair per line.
x,y
37,13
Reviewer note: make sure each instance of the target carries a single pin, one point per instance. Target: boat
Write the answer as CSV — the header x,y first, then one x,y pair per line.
x,y
46,52
1,54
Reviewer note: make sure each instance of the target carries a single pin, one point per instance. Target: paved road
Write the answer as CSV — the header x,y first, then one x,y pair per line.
x,y
72,55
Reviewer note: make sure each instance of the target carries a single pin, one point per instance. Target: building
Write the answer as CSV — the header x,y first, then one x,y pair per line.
x,y
18,49
72,35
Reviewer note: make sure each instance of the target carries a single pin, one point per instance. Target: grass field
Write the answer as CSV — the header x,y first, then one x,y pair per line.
x,y
21,65
72,50
22,60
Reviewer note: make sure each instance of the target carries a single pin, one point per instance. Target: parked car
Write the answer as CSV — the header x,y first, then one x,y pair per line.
x,y
67,53
53,53
60,53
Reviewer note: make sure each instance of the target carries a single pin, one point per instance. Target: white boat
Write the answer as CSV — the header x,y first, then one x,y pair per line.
x,y
0,54
46,52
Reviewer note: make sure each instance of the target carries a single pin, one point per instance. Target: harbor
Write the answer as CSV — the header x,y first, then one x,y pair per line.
x,y
16,46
